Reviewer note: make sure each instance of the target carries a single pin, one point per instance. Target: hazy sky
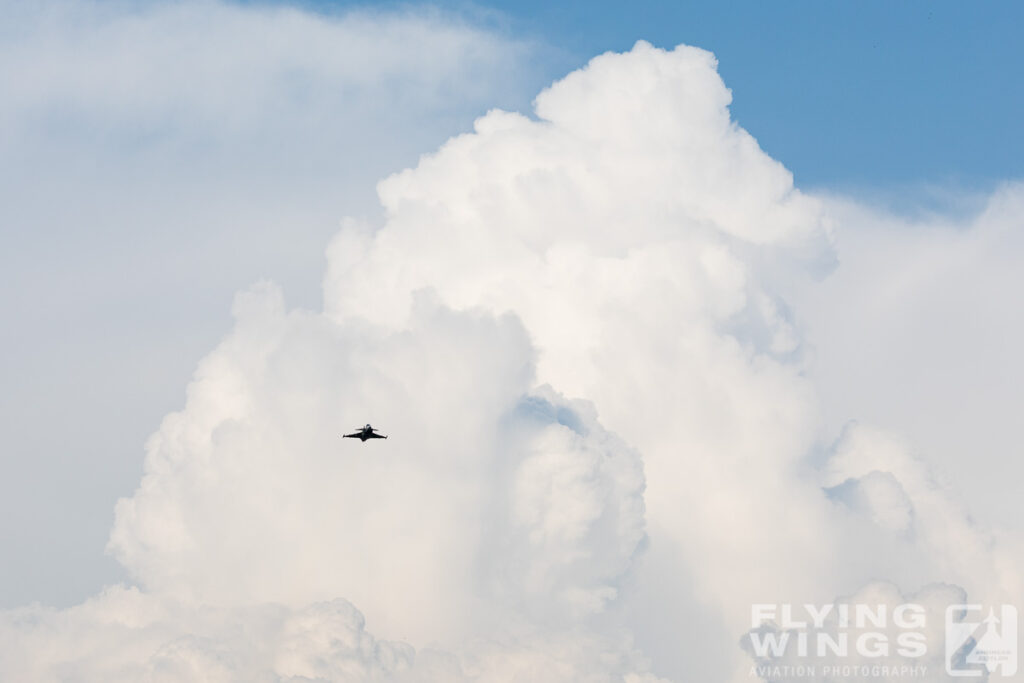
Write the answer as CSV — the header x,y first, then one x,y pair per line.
x,y
616,310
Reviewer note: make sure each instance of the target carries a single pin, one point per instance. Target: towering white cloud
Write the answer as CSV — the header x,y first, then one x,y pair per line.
x,y
158,157
574,329
485,493
627,228
916,333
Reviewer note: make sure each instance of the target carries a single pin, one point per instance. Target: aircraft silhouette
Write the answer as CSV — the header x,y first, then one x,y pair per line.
x,y
366,432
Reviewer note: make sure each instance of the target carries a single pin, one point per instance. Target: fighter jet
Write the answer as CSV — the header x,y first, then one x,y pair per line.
x,y
367,432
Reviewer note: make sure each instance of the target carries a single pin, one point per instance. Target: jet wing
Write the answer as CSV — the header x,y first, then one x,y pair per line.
x,y
374,435
353,436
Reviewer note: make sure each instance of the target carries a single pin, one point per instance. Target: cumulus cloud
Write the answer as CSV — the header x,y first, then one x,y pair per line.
x,y
158,157
598,228
602,225
126,635
878,476
574,328
486,491
914,333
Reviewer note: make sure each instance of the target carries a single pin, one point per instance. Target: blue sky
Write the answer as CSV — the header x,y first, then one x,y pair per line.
x,y
854,96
